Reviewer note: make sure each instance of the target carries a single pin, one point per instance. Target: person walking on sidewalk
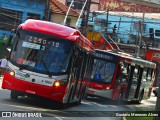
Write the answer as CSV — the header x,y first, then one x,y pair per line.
x,y
3,65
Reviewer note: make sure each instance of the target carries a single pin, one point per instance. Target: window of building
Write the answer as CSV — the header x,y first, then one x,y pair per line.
x,y
78,4
10,19
68,22
33,16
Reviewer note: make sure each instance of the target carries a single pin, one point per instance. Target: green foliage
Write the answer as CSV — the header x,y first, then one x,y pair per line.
x,y
139,118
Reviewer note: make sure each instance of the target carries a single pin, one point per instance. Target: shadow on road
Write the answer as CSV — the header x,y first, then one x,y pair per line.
x,y
106,101
38,102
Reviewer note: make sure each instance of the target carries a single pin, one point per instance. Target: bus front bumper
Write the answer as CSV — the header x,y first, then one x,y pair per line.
x,y
54,93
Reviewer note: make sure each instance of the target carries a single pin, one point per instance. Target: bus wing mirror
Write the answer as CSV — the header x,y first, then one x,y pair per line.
x,y
13,31
8,42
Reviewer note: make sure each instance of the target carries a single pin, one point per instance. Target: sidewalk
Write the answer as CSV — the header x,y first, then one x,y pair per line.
x,y
1,82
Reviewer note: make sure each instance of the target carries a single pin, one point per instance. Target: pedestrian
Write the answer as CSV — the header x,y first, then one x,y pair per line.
x,y
3,65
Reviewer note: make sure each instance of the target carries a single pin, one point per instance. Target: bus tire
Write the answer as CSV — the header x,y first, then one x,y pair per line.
x,y
85,95
79,101
64,105
155,94
120,98
81,97
141,97
14,95
69,97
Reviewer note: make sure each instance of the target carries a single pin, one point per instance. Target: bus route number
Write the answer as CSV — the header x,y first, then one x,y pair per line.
x,y
43,41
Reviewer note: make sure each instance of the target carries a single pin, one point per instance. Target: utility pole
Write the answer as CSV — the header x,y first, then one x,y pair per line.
x,y
157,108
107,20
85,17
47,10
139,39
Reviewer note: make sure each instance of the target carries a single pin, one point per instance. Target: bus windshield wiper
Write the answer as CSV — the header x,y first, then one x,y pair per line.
x,y
45,66
21,67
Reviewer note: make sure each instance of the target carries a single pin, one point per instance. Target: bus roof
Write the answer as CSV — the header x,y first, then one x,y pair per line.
x,y
134,61
58,30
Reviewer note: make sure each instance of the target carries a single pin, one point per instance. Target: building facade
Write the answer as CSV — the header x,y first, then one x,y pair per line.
x,y
59,15
78,4
15,12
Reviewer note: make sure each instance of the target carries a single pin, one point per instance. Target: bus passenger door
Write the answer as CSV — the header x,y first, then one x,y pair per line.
x,y
134,84
75,79
121,80
147,82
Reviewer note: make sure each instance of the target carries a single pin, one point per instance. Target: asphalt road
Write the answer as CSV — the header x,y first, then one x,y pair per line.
x,y
90,109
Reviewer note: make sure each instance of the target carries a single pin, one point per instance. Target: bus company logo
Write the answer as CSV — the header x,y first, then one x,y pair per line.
x,y
6,114
155,55
21,114
48,82
25,75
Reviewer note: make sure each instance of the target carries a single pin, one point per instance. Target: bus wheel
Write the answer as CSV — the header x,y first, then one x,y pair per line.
x,y
81,97
79,101
85,95
140,97
69,97
155,94
14,95
64,105
120,98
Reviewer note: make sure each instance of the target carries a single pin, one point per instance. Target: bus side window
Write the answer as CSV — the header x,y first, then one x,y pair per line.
x,y
149,74
119,72
78,62
123,72
77,58
135,75
144,75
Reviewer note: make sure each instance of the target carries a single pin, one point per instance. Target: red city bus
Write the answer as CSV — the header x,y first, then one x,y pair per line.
x,y
153,54
47,60
119,76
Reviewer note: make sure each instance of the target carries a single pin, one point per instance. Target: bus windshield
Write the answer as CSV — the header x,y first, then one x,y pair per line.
x,y
102,71
41,53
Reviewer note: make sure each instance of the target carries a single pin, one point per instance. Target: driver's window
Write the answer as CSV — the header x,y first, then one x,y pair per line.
x,y
149,74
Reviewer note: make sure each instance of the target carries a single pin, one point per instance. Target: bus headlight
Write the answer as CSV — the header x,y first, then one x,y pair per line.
x,y
107,88
11,72
58,83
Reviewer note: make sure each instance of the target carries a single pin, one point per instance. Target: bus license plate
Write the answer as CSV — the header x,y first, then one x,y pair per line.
x,y
90,92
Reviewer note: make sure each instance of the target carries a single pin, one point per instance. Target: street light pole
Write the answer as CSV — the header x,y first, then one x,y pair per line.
x,y
139,39
157,107
64,22
107,20
85,16
47,10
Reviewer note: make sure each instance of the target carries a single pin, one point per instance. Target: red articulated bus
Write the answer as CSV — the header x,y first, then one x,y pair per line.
x,y
119,76
47,60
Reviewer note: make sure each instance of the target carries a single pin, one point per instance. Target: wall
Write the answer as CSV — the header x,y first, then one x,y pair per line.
x,y
58,18
62,1
124,25
24,6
